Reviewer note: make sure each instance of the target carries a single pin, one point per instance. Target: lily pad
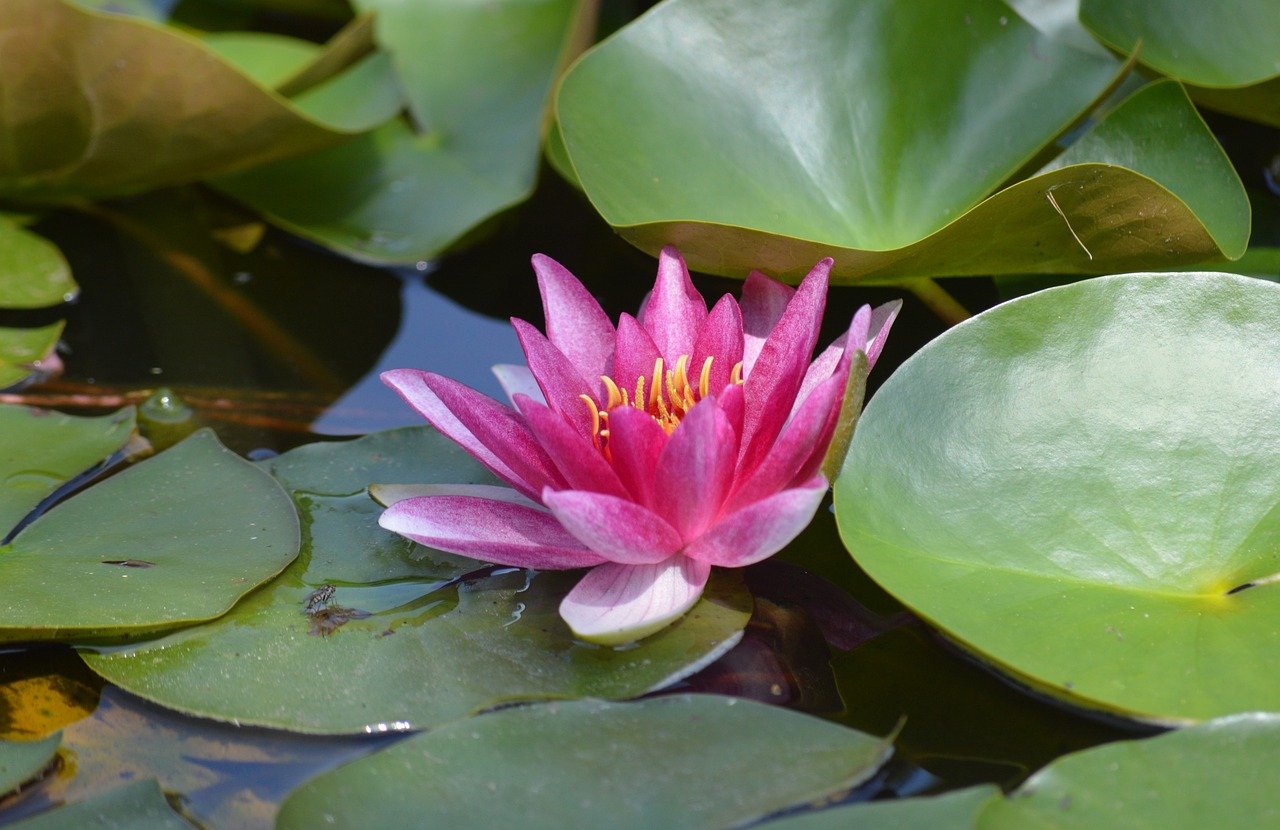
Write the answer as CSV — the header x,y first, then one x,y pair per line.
x,y
704,125
1219,774
146,550
137,806
111,116
33,272
368,632
1225,51
950,811
41,450
20,349
1081,486
476,78
686,761
21,761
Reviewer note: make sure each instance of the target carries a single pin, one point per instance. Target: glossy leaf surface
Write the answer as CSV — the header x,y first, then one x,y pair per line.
x,y
33,272
686,761
145,550
370,633
704,124
21,348
1078,468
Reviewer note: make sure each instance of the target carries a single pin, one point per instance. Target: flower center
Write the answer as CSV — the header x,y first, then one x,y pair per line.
x,y
670,396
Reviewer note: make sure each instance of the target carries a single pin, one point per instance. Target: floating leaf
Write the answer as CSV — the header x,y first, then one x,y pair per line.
x,y
111,116
137,806
476,78
704,124
1080,485
950,811
686,761
33,272
175,540
41,450
1226,51
20,349
367,632
21,761
1219,774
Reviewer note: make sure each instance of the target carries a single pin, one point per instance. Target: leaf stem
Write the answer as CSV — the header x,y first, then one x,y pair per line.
x,y
938,300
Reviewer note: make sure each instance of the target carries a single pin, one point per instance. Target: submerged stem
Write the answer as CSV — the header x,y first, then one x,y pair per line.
x,y
938,300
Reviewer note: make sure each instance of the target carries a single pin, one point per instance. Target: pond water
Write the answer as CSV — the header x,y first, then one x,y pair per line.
x,y
282,345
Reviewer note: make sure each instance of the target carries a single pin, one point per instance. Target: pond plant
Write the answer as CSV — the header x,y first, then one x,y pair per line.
x,y
1039,594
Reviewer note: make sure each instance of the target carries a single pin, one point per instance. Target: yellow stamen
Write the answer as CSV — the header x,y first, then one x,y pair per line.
x,y
655,392
704,380
595,418
735,376
615,397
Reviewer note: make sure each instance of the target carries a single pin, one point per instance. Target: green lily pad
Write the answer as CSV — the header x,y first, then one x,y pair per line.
x,y
1225,51
21,761
41,450
950,811
1219,774
1081,486
686,761
111,116
20,348
703,125
268,59
368,632
33,272
476,78
137,806
175,540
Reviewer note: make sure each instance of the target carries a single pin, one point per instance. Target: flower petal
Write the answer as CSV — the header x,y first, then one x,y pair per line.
x,y
804,437
822,367
489,530
576,324
763,301
616,604
720,340
634,354
761,529
480,425
635,445
695,470
560,381
779,370
882,318
578,460
517,380
675,311
388,494
618,529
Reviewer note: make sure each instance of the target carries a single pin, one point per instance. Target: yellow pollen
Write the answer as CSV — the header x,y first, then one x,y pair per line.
x,y
671,394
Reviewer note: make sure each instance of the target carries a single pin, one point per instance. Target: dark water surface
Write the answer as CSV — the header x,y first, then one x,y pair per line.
x,y
282,345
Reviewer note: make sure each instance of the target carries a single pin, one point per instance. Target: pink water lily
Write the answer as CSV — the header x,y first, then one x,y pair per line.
x,y
648,452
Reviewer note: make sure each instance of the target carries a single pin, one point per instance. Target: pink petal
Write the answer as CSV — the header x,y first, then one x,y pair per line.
x,y
634,355
881,321
578,460
517,380
779,370
635,444
733,405
560,381
616,604
822,367
759,530
695,470
763,301
805,435
721,340
480,425
493,531
576,324
388,494
618,529
675,311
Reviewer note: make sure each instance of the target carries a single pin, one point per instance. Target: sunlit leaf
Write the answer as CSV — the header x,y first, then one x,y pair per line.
x,y
175,540
1080,486
21,348
687,761
367,632
33,272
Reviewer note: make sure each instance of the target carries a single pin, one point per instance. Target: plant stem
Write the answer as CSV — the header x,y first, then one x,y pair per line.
x,y
938,300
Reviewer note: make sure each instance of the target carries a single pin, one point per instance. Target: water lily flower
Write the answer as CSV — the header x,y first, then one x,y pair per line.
x,y
649,452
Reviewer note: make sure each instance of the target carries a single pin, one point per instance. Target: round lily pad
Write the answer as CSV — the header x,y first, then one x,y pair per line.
x,y
951,811
20,761
20,348
138,806
685,761
1081,485
175,540
368,632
